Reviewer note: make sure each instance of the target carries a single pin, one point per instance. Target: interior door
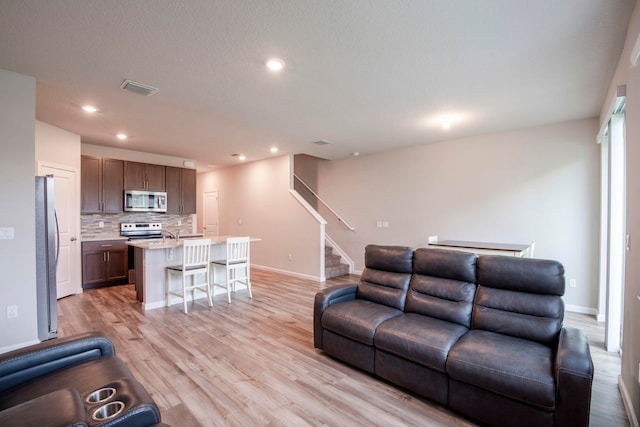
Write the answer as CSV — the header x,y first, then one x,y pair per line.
x,y
67,204
210,214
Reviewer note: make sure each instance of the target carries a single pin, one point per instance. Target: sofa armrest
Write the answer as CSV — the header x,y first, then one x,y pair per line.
x,y
574,377
62,407
40,359
324,299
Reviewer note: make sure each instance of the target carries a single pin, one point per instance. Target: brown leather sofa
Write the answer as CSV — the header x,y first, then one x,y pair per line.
x,y
73,381
482,335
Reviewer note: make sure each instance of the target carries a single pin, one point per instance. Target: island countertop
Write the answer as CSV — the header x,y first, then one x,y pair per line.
x,y
151,263
172,243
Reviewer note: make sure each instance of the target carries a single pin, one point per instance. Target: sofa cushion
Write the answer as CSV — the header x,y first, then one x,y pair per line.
x,y
512,367
527,316
395,259
442,285
421,339
454,265
520,297
385,279
538,276
357,319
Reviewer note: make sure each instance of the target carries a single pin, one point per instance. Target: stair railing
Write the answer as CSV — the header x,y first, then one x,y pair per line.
x,y
340,219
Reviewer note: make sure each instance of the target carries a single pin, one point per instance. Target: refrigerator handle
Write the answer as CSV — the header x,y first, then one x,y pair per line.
x,y
55,215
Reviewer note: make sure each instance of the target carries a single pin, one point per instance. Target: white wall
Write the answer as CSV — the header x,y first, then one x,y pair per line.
x,y
625,74
134,156
17,192
254,200
56,146
537,184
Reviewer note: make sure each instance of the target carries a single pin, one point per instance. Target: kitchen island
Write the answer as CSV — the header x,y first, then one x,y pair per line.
x,y
151,257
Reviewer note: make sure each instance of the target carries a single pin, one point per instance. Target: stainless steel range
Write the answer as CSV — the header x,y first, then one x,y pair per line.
x,y
141,230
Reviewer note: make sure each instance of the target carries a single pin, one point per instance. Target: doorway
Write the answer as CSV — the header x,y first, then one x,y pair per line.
x,y
613,239
67,205
211,226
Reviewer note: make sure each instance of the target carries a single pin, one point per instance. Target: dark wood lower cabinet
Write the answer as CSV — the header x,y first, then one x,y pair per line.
x,y
104,263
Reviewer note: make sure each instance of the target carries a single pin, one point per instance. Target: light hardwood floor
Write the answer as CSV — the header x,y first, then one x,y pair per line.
x,y
252,362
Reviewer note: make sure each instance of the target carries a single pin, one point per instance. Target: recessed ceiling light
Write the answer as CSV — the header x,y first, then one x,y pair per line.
x,y
241,157
275,64
355,154
273,149
89,108
122,136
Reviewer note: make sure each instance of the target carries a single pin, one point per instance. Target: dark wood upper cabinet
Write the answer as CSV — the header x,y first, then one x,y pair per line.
x,y
143,176
188,191
90,184
155,178
181,190
112,185
101,187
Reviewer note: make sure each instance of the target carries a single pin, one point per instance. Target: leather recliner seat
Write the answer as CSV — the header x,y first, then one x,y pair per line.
x,y
483,335
53,384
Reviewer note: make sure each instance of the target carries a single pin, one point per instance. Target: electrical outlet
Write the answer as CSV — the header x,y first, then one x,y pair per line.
x,y
179,222
12,311
572,283
290,257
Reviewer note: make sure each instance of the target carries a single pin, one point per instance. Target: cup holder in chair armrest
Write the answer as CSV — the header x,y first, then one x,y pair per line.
x,y
100,395
61,407
108,411
122,402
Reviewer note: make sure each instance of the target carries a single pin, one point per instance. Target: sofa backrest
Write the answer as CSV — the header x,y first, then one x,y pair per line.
x,y
385,279
520,297
443,285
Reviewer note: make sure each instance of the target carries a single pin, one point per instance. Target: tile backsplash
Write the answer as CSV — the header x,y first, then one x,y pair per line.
x,y
90,223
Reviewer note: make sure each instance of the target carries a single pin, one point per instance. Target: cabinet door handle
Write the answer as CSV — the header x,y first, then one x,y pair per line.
x,y
104,256
106,246
108,257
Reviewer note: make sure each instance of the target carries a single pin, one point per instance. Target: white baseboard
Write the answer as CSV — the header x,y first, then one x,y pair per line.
x,y
17,346
628,404
289,273
581,309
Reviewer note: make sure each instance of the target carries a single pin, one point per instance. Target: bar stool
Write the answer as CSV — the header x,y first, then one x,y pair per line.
x,y
236,266
195,261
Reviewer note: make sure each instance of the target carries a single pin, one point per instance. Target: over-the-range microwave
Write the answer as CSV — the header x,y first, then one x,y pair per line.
x,y
145,201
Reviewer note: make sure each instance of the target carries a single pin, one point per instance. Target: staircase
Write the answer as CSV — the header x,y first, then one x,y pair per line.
x,y
332,265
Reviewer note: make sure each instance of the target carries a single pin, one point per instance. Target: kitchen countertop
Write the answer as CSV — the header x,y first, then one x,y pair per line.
x,y
172,243
97,238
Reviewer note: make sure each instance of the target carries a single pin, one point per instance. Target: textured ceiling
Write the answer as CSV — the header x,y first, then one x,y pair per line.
x,y
365,75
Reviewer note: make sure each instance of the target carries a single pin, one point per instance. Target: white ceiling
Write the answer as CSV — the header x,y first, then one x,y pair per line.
x,y
365,75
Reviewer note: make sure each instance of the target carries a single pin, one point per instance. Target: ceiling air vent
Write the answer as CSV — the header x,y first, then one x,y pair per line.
x,y
322,142
139,88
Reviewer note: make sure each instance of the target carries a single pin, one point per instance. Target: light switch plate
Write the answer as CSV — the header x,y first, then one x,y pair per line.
x,y
7,233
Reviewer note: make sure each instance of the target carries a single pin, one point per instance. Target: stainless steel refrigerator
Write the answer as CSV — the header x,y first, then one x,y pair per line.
x,y
47,247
